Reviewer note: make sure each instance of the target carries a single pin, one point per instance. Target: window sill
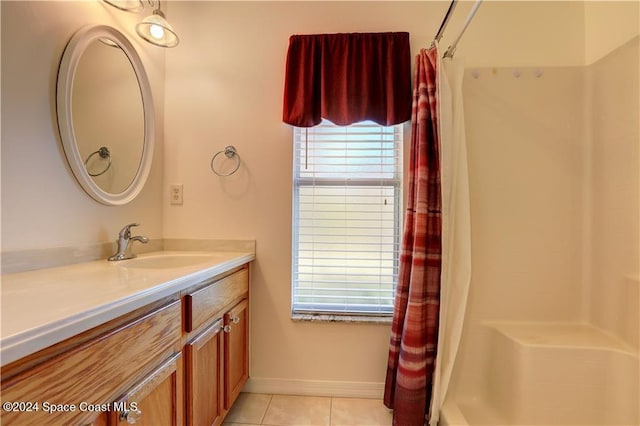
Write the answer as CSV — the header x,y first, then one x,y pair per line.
x,y
353,319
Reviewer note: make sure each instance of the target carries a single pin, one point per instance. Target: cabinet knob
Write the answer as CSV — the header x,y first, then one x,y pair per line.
x,y
235,320
130,416
226,328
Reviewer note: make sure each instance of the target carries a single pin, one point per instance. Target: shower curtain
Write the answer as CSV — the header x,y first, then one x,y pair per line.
x,y
435,265
456,227
412,348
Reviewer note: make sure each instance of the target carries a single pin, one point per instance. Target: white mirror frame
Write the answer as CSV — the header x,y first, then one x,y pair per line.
x,y
68,65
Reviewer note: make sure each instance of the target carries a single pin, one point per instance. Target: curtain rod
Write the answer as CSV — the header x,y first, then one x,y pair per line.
x,y
445,20
452,48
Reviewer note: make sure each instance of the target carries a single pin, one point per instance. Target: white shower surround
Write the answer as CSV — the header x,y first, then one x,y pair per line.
x,y
552,373
559,346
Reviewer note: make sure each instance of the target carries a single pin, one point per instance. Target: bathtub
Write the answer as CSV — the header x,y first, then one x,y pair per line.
x,y
551,374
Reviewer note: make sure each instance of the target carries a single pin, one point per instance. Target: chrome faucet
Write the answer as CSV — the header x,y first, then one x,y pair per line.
x,y
124,238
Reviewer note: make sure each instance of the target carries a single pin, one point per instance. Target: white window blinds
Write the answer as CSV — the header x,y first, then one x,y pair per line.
x,y
346,218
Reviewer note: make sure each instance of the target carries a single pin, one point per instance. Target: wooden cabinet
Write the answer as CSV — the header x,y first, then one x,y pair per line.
x,y
208,303
155,400
236,351
80,382
182,359
204,357
101,420
217,357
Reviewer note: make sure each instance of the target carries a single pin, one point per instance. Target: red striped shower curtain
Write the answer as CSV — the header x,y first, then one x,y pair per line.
x,y
414,332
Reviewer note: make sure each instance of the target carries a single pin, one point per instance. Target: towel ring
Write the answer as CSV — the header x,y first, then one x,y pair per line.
x,y
103,152
229,152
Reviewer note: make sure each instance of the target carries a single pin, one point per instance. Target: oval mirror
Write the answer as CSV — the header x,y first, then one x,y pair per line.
x,y
105,114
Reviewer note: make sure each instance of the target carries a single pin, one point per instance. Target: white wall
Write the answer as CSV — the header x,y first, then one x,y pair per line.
x,y
608,25
520,33
224,86
42,204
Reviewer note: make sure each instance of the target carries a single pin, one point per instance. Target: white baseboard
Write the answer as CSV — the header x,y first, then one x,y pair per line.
x,y
314,388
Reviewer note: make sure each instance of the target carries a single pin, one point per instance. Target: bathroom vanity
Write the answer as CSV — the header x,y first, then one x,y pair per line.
x,y
157,340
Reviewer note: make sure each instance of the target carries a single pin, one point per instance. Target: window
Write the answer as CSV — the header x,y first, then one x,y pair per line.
x,y
347,194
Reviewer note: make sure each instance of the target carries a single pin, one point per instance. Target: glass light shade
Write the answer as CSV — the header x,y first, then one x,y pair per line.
x,y
128,5
156,30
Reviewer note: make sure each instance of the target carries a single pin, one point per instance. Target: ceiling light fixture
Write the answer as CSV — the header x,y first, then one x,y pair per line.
x,y
128,5
156,30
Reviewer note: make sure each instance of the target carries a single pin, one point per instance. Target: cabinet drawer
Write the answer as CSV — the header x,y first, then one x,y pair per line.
x,y
95,372
203,304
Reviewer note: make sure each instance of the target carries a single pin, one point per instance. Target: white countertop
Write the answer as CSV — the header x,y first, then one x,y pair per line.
x,y
46,306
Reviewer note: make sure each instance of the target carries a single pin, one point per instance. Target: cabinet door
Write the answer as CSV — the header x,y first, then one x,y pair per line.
x,y
236,351
156,400
101,420
204,377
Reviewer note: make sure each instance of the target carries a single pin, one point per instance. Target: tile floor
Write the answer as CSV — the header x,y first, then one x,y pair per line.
x,y
252,409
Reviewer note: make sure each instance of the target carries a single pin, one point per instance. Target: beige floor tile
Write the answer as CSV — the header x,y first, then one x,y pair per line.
x,y
238,424
287,410
249,408
359,412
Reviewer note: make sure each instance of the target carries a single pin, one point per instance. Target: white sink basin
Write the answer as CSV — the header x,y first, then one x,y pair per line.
x,y
167,261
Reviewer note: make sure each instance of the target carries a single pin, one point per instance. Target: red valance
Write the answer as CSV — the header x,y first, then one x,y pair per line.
x,y
347,78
